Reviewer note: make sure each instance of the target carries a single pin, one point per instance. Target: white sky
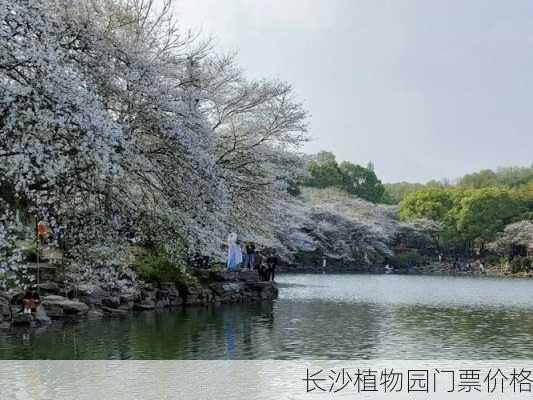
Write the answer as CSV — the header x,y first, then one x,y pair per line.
x,y
426,89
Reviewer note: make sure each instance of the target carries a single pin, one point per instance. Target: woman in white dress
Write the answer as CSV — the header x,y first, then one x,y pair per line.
x,y
234,252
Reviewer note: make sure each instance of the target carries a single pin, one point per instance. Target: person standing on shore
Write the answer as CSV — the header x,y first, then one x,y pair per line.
x,y
258,262
251,255
244,255
272,262
234,252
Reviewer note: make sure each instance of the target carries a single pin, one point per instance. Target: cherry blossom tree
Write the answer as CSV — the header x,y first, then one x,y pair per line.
x,y
114,122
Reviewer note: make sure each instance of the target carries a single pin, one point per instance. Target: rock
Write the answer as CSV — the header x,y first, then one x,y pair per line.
x,y
46,270
144,305
86,289
115,312
224,276
22,319
260,285
90,293
168,285
59,306
111,302
174,298
175,301
48,288
16,296
95,314
128,297
148,287
163,303
248,276
149,294
40,316
269,292
207,295
5,309
127,306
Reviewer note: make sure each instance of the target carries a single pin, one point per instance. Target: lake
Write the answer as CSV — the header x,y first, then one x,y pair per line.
x,y
354,316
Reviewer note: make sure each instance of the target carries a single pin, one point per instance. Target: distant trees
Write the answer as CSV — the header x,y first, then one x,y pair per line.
x,y
396,192
361,182
434,204
324,171
469,215
504,177
509,177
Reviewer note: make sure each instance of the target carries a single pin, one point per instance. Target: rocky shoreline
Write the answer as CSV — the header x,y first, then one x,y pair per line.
x,y
59,301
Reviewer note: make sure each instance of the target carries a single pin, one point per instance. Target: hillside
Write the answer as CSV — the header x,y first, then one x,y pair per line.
x,y
351,233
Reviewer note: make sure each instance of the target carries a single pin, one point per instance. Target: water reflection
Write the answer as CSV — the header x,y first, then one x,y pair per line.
x,y
317,316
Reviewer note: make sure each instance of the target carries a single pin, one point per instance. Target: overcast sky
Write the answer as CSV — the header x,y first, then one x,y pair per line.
x,y
424,89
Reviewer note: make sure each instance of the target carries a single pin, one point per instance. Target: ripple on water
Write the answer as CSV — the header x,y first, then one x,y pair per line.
x,y
316,316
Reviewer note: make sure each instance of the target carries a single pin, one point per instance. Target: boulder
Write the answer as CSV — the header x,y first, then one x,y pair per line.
x,y
59,306
269,292
128,297
95,314
225,288
40,316
127,306
115,312
48,288
163,303
90,293
175,301
111,302
22,319
144,305
15,296
5,309
248,276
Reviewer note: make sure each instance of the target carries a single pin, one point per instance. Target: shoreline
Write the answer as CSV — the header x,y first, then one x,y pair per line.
x,y
93,302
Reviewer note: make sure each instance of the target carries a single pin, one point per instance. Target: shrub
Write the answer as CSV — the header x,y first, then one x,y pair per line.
x,y
492,259
520,264
28,250
158,268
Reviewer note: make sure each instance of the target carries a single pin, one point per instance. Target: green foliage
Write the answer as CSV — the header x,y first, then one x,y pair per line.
x,y
484,212
520,264
324,171
477,180
468,215
28,249
158,268
511,177
396,192
434,204
361,182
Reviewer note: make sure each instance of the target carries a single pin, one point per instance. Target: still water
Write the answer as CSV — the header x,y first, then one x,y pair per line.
x,y
315,317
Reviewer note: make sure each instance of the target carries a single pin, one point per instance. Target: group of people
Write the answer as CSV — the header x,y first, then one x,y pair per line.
x,y
245,255
468,267
458,266
31,301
